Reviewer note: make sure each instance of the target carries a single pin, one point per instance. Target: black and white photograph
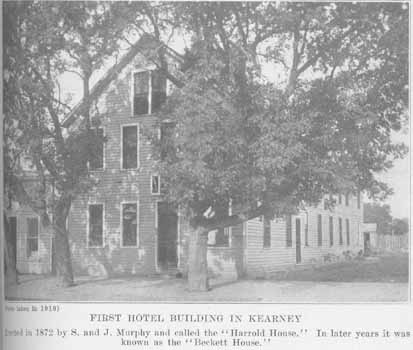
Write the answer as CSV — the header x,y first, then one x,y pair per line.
x,y
206,152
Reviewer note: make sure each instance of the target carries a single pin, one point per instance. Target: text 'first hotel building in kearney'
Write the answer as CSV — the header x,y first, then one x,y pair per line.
x,y
123,227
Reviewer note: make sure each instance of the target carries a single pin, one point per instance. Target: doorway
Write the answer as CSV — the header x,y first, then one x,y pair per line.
x,y
366,243
167,236
298,241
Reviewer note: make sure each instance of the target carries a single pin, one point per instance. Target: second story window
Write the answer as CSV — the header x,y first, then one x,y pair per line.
x,y
166,136
96,160
149,91
130,147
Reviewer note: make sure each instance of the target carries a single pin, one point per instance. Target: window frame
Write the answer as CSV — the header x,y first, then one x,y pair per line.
x,y
137,146
289,231
266,235
103,153
319,230
88,225
331,230
137,224
159,184
150,69
348,232
34,252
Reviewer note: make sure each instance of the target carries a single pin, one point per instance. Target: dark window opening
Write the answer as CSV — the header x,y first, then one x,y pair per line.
x,y
141,93
129,225
331,229
267,231
306,234
167,145
95,225
340,199
32,236
319,230
348,231
358,200
155,187
219,237
288,228
340,230
158,90
347,199
130,147
96,161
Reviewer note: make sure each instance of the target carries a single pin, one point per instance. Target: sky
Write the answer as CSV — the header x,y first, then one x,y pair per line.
x,y
398,177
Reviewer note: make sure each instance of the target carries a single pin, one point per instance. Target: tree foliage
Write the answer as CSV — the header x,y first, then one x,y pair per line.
x,y
271,143
379,214
43,40
401,226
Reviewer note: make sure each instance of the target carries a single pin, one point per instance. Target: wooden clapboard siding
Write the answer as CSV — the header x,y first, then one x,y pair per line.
x,y
261,261
116,186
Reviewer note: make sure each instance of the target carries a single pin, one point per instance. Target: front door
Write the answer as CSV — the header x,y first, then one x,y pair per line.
x,y
167,236
298,240
366,243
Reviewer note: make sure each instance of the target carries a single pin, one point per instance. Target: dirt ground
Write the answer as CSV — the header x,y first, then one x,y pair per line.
x,y
382,279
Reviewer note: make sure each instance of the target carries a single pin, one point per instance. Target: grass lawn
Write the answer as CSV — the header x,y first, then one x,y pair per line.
x,y
386,268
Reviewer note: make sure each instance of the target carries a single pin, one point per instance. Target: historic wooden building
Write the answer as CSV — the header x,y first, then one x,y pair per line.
x,y
123,227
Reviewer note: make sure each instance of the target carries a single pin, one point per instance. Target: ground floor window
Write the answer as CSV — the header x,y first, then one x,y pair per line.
x,y
348,231
288,229
129,224
340,230
32,236
319,230
95,236
331,229
267,231
219,238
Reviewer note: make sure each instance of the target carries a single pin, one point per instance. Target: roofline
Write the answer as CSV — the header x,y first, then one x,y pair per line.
x,y
108,77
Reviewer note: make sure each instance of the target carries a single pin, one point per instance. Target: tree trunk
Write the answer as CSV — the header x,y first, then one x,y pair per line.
x,y
9,258
197,260
62,249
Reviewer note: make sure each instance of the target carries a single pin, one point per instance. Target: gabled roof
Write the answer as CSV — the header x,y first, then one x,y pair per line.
x,y
146,41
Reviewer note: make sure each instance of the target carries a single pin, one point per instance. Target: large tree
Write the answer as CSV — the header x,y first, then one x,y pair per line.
x,y
269,143
43,40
